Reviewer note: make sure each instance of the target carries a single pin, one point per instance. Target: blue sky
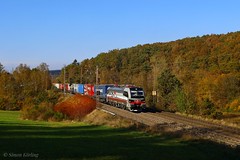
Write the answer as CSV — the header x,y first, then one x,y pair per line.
x,y
58,31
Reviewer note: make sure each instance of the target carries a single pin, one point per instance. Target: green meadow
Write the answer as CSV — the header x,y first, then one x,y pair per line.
x,y
25,139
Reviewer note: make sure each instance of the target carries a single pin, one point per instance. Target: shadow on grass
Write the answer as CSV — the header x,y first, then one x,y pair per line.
x,y
98,142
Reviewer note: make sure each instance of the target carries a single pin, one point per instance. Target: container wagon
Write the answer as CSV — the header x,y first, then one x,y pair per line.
x,y
100,92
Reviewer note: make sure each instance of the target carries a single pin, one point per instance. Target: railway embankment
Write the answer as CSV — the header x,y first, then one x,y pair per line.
x,y
167,123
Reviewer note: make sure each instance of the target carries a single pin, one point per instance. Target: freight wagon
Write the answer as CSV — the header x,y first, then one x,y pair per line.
x,y
100,92
89,89
77,88
56,85
67,87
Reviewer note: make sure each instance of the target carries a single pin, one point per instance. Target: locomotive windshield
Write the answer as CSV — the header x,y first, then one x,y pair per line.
x,y
137,93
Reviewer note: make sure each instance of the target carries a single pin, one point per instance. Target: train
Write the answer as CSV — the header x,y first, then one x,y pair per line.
x,y
127,97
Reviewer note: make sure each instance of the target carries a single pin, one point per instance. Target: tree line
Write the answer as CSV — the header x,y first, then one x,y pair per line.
x,y
24,86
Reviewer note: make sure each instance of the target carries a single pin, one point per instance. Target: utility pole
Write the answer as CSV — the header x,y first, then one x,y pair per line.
x,y
96,90
64,73
154,92
46,79
81,75
97,75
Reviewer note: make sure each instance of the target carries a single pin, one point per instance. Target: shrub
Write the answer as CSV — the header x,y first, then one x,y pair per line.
x,y
150,102
181,101
9,103
2,103
234,106
207,107
217,115
76,107
31,112
40,107
43,111
185,102
57,116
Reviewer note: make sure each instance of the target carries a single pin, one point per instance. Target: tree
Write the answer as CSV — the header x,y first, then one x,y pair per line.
x,y
1,68
43,67
75,62
22,75
167,85
8,92
226,89
44,74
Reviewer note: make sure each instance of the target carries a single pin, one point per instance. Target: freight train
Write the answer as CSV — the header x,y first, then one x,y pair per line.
x,y
127,97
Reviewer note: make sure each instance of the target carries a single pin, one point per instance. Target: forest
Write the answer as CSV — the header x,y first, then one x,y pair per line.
x,y
195,75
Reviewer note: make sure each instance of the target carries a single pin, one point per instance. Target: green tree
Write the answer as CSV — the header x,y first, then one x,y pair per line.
x,y
185,102
167,85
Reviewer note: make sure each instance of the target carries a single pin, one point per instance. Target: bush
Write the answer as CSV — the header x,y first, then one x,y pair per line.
x,y
58,116
43,111
181,101
150,102
3,103
29,112
207,107
217,115
40,107
185,103
234,106
76,107
10,104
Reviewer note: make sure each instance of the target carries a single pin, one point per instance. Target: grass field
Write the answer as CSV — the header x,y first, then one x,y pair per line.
x,y
65,140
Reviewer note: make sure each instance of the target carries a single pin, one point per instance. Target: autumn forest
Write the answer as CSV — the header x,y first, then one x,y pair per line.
x,y
198,75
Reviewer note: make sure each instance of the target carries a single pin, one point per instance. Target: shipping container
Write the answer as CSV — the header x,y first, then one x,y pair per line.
x,y
100,91
57,85
61,86
67,87
78,88
89,89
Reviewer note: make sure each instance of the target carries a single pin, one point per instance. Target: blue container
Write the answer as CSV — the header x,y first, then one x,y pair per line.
x,y
100,91
80,88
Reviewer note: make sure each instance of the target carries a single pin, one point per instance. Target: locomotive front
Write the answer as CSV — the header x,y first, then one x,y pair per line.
x,y
136,98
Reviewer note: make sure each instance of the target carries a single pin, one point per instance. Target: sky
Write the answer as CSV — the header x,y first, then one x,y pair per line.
x,y
58,31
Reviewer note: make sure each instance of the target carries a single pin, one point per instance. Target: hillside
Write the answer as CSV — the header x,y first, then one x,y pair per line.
x,y
55,72
194,75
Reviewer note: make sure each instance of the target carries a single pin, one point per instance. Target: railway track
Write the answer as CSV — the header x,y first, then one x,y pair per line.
x,y
183,124
208,130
